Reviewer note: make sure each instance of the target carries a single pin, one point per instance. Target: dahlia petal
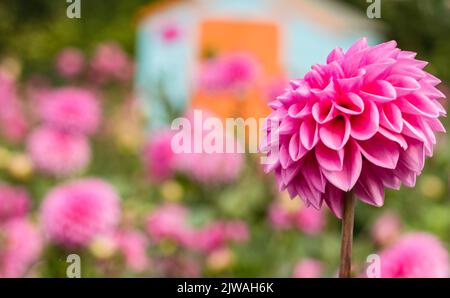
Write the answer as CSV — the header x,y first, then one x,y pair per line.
x,y
307,192
351,169
327,93
312,172
309,133
288,174
296,149
358,46
378,70
285,160
369,188
334,198
353,83
328,159
391,117
299,110
350,104
335,133
275,104
418,104
430,91
393,136
380,151
404,85
407,176
382,51
379,91
412,128
407,54
414,157
323,111
408,70
287,126
335,55
435,124
365,125
387,177
314,79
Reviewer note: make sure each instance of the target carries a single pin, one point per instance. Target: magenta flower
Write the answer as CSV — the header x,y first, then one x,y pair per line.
x,y
20,246
158,156
13,122
71,108
133,245
76,212
308,268
111,62
69,62
229,71
416,255
57,152
169,221
362,122
386,229
14,202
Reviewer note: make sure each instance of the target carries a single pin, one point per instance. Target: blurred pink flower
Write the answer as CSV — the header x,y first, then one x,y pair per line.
x,y
228,71
133,245
310,221
20,246
308,268
211,167
386,229
71,108
57,152
415,255
111,62
14,202
158,155
307,220
217,234
76,212
363,121
170,32
70,62
13,122
169,221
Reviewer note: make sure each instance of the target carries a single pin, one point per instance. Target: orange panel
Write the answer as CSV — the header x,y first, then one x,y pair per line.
x,y
256,37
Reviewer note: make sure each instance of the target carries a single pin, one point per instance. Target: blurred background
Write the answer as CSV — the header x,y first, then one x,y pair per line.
x,y
85,160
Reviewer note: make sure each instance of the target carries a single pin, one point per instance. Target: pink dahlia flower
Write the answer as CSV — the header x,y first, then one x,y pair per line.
x,y
57,152
13,123
20,247
416,255
111,62
307,220
14,202
216,235
70,108
73,214
228,71
169,221
69,62
308,268
386,229
133,245
363,121
159,156
208,167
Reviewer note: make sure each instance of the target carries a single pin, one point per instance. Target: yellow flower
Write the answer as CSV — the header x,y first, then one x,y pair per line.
x,y
172,191
20,166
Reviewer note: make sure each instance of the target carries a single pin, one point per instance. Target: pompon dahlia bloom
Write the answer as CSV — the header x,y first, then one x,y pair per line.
x,y
69,62
228,71
20,246
76,212
71,108
169,221
14,202
386,229
308,268
133,246
363,121
415,255
159,156
58,152
111,62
